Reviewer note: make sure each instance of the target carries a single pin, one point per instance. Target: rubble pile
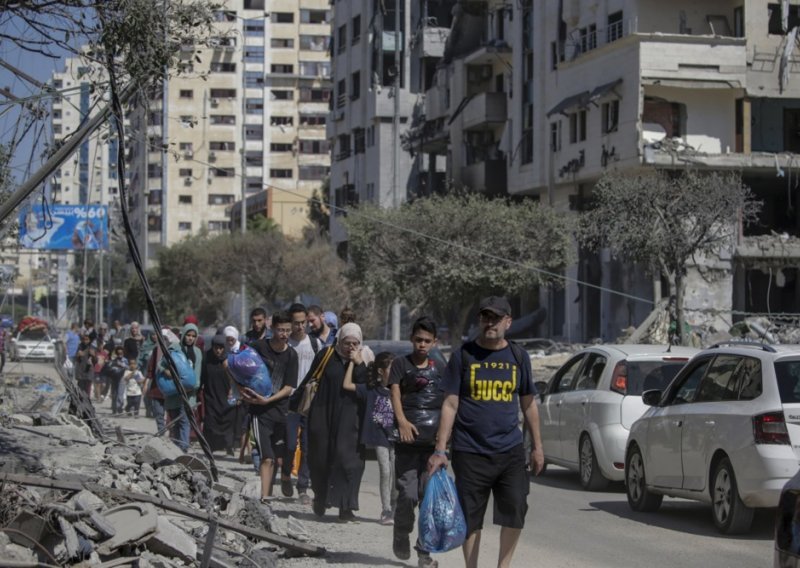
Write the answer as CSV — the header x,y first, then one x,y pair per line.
x,y
69,498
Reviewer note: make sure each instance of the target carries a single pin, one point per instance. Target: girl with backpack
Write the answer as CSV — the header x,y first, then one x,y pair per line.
x,y
377,423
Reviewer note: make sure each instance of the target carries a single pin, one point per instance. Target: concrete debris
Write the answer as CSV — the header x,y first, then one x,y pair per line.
x,y
169,540
157,451
15,554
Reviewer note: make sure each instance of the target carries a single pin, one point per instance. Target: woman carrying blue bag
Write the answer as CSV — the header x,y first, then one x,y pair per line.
x,y
189,379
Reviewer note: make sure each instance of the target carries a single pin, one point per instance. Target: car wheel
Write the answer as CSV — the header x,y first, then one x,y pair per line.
x,y
731,515
639,497
591,477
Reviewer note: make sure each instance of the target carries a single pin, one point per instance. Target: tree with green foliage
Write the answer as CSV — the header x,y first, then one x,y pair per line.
x,y
664,220
442,254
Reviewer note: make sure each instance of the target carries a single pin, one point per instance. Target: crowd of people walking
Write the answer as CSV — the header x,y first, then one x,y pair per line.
x,y
332,400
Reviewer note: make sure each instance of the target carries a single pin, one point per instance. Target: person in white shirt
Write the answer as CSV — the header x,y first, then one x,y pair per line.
x,y
306,347
132,381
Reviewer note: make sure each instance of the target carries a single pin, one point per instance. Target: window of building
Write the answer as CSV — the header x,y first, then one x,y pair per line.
x,y
315,68
370,137
254,54
615,29
587,38
225,16
341,93
253,159
775,14
154,197
359,141
185,172
222,93
281,94
314,42
222,119
313,173
185,225
308,94
185,199
186,93
282,17
254,28
220,199
610,116
222,67
185,147
281,68
253,131
222,146
253,184
314,147
281,43
281,173
253,4
313,119
315,16
218,226
253,106
355,86
577,127
254,79
555,136
153,171
344,147
280,147
356,27
56,129
153,222
278,120
221,172
341,39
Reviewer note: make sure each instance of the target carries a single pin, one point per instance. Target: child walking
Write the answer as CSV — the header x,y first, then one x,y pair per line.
x,y
377,423
415,382
132,382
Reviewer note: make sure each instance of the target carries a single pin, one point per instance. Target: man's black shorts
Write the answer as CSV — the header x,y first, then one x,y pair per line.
x,y
504,476
269,436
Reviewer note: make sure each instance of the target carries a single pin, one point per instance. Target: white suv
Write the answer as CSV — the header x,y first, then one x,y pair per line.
x,y
726,432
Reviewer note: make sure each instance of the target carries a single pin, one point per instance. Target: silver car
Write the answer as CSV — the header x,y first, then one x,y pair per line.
x,y
32,344
591,401
725,432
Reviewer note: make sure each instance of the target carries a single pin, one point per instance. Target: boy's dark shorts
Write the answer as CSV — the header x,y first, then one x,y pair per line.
x,y
269,436
503,475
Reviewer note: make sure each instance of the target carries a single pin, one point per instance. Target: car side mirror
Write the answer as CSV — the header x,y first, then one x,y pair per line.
x,y
541,388
651,397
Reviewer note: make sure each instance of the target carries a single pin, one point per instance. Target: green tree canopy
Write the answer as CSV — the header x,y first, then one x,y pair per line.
x,y
664,219
442,254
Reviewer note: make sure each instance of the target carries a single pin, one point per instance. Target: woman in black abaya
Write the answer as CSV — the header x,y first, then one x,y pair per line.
x,y
221,422
334,458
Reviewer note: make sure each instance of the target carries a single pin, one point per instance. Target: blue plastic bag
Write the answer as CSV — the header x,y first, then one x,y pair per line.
x,y
248,370
442,526
185,373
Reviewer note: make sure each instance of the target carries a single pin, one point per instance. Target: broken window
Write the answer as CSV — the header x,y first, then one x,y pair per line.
x,y
775,26
610,116
615,29
669,116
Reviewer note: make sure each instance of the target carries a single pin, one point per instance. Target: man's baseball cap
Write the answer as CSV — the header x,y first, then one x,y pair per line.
x,y
495,304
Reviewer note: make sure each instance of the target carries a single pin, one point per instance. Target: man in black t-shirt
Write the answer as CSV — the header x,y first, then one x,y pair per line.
x,y
268,413
415,382
486,383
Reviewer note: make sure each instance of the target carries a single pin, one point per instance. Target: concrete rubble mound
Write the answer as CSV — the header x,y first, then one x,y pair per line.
x,y
69,498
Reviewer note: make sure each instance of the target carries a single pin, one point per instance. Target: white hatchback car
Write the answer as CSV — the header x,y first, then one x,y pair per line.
x,y
591,401
32,345
725,432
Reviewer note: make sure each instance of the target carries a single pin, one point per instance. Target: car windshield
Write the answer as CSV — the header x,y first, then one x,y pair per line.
x,y
651,375
33,335
788,374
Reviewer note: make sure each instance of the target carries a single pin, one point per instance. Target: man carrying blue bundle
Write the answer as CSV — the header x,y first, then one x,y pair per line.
x,y
268,413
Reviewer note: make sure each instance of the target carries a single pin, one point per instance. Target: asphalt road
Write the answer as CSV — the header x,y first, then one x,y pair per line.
x,y
566,526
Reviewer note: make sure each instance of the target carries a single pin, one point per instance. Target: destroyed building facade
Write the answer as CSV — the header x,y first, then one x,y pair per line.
x,y
544,97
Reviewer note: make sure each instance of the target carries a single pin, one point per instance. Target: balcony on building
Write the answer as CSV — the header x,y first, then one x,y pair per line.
x,y
484,110
487,176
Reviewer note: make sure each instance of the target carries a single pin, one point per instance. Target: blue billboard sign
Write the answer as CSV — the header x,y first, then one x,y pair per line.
x,y
64,227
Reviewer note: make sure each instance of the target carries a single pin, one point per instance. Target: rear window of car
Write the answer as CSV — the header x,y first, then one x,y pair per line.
x,y
651,375
788,375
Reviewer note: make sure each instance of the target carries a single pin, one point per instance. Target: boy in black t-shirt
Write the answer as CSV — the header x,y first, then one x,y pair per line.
x,y
268,413
417,402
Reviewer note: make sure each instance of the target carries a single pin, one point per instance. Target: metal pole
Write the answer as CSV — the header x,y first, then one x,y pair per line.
x,y
83,316
395,150
243,211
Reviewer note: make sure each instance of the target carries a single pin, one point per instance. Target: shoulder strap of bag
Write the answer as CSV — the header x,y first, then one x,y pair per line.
x,y
322,364
314,344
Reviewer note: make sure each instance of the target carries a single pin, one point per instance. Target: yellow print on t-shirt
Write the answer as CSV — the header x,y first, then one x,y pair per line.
x,y
492,381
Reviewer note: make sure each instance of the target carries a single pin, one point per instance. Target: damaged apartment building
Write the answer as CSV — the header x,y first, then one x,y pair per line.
x,y
540,98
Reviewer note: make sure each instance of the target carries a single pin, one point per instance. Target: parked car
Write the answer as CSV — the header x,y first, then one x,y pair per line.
x,y
400,348
32,344
787,526
589,404
725,432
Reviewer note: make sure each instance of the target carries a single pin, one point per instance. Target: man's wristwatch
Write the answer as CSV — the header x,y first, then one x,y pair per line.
x,y
440,453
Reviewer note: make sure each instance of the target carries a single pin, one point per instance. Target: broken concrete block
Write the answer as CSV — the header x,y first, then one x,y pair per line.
x,y
157,451
252,488
263,557
119,463
21,419
86,501
132,522
169,540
